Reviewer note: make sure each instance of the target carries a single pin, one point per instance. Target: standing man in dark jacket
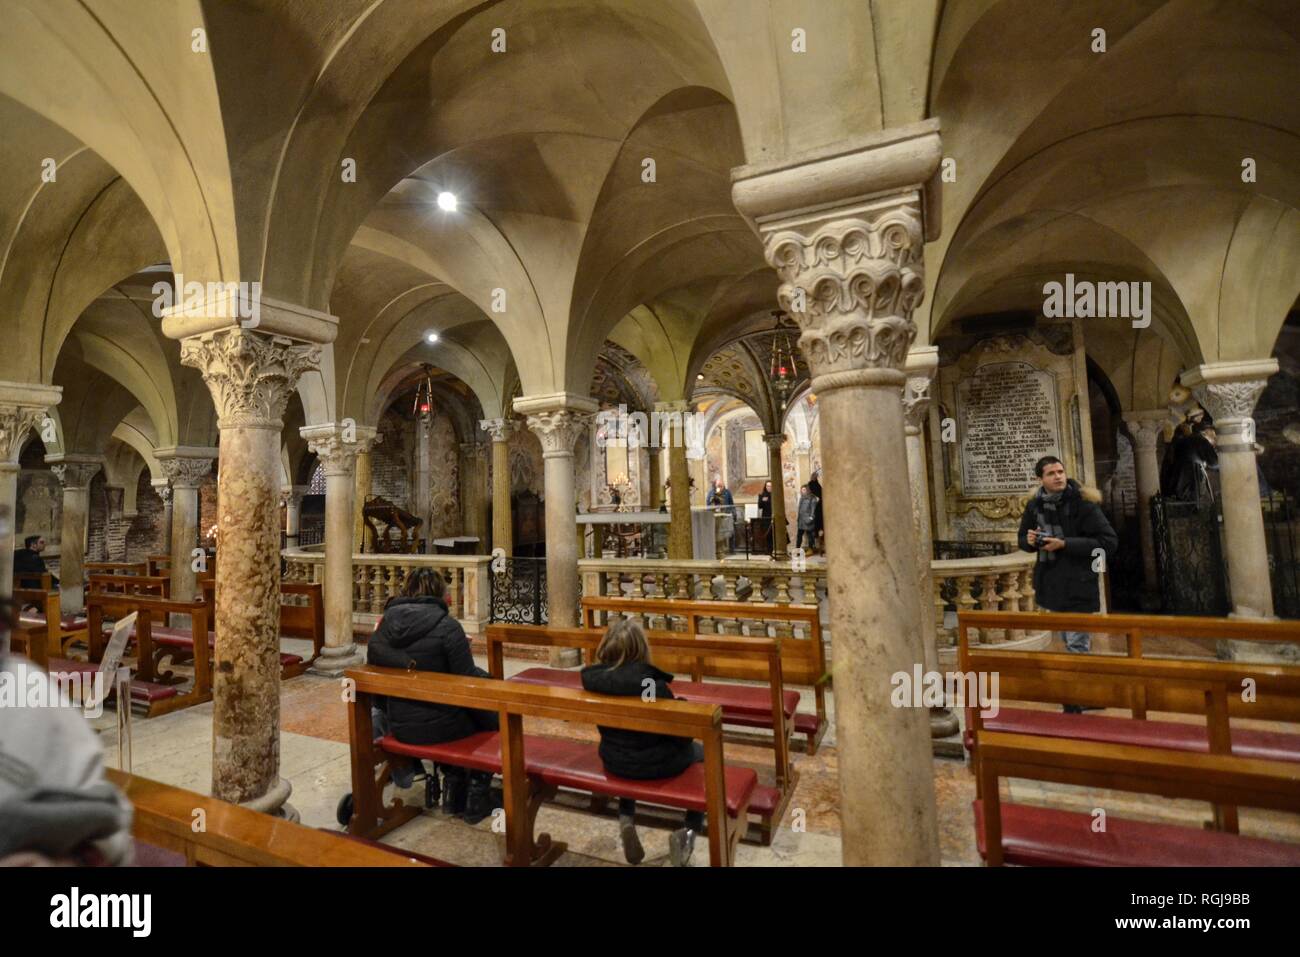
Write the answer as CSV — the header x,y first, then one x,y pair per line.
x,y
418,633
1065,525
819,520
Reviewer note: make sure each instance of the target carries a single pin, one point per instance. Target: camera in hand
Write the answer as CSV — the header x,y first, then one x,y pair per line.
x,y
1042,533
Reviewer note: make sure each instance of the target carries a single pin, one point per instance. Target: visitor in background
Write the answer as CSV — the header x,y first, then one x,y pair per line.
x,y
815,487
56,806
1065,525
807,519
29,563
765,512
623,668
418,633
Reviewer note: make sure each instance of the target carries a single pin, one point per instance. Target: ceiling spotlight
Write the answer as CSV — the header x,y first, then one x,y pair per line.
x,y
431,338
447,201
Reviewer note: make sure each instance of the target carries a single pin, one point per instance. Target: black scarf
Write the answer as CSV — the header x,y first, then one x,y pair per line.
x,y
1049,518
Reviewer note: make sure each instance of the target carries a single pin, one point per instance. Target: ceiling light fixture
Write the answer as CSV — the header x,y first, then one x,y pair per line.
x,y
447,201
431,338
424,395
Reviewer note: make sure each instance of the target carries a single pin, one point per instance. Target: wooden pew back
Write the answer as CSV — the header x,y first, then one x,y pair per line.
x,y
1221,779
515,702
158,565
43,581
304,621
38,641
153,611
117,568
159,586
234,836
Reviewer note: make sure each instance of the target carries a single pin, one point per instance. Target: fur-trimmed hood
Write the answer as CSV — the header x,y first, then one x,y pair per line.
x,y
1085,492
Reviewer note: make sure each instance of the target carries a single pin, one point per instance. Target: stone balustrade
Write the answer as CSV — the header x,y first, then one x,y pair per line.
x,y
377,578
986,583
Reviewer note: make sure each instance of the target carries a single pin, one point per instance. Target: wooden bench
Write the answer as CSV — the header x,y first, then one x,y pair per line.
x,y
534,768
803,660
233,836
68,629
1029,835
155,696
771,703
158,564
117,568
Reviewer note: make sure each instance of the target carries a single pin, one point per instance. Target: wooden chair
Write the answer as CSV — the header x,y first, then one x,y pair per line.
x,y
803,660
533,769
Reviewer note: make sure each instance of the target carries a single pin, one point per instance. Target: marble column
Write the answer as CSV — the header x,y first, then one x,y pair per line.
x,y
680,537
654,479
557,421
1229,391
164,490
421,494
1145,427
468,486
502,531
186,468
251,376
803,462
845,229
780,530
292,498
23,406
74,473
921,366
363,489
338,450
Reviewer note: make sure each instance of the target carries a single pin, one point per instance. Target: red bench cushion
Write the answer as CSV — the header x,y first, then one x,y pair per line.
x,y
67,622
576,764
140,690
1039,836
1171,735
175,638
736,700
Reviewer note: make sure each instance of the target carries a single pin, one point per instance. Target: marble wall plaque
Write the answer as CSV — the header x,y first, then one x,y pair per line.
x,y
1007,419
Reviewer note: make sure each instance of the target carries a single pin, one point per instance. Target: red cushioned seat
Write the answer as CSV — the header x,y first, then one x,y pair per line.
x,y
576,764
288,659
175,638
1047,837
764,800
67,622
737,701
147,691
1171,735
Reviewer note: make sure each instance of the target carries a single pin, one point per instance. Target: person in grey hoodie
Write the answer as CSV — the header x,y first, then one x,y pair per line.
x,y
807,518
56,806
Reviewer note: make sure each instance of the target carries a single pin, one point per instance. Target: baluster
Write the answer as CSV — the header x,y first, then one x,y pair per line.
x,y
378,589
784,629
361,600
990,601
947,637
1027,602
1011,601
966,601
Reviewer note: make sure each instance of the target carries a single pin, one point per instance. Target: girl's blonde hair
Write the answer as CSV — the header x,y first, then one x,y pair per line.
x,y
624,642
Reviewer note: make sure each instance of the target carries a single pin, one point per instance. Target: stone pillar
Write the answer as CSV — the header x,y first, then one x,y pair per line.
x,y
654,479
186,468
673,431
803,462
1229,391
502,531
363,479
251,376
421,494
845,231
469,456
23,406
338,450
1145,427
292,498
698,469
74,473
921,366
780,530
164,490
557,421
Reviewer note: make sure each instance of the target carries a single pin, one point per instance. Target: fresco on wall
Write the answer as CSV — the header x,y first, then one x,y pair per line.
x,y
39,506
444,479
526,470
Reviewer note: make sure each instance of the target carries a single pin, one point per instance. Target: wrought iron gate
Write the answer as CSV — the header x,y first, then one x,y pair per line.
x,y
1189,550
519,590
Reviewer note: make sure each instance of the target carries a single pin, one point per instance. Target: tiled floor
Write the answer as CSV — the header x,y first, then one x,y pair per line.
x,y
176,749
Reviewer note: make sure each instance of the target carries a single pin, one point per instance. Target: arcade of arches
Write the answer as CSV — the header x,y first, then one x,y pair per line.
x,y
815,238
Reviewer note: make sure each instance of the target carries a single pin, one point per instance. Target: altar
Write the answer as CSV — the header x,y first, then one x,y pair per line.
x,y
651,531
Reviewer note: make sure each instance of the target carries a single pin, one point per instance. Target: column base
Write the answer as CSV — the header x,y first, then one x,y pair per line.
x,y
334,661
275,802
565,657
943,722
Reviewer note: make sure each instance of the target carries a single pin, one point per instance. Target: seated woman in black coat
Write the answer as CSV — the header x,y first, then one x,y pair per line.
x,y
418,633
623,668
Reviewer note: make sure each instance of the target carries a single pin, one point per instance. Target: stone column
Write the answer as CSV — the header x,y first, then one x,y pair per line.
x,y
338,450
164,490
672,430
469,454
23,406
845,231
251,376
557,421
1145,427
74,473
186,468
292,498
654,479
780,531
502,531
698,469
421,495
921,366
1229,391
364,481
803,461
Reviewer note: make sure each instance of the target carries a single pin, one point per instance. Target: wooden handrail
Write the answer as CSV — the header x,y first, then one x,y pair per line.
x,y
235,836
1185,626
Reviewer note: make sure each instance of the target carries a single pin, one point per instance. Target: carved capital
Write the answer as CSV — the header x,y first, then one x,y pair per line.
x,y
774,440
558,430
499,429
15,422
164,492
858,273
916,403
186,472
1227,401
292,497
75,474
250,375
337,449
1145,427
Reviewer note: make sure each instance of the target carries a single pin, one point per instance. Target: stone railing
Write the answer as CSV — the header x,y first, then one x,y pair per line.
x,y
992,583
377,578
704,580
